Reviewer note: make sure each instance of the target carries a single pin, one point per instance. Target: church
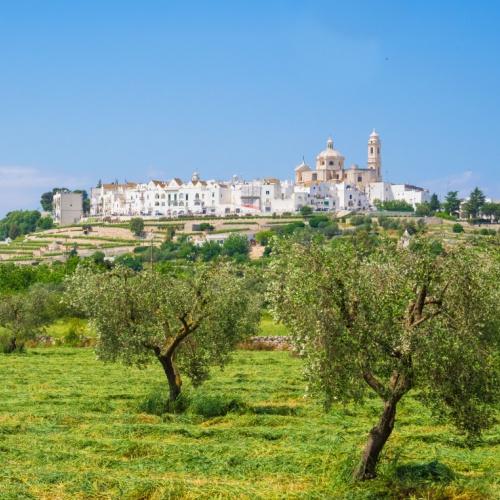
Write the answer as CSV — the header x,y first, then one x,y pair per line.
x,y
330,167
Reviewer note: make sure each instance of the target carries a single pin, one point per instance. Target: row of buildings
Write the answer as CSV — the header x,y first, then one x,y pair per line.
x,y
330,186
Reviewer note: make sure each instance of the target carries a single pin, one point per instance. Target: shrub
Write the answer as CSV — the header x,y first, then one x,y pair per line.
x,y
214,405
263,237
158,403
306,211
331,230
205,226
445,216
316,220
457,228
136,226
487,232
395,206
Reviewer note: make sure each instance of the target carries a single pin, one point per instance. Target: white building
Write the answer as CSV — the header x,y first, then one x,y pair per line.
x,y
331,187
385,191
67,207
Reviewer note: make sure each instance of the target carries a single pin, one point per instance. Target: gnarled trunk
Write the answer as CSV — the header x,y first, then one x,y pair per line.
x,y
376,440
13,346
173,377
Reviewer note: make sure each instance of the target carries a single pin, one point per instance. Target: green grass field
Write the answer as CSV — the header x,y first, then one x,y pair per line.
x,y
73,427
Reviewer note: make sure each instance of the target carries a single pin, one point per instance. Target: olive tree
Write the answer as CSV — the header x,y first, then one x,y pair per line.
x,y
136,225
187,322
24,315
395,320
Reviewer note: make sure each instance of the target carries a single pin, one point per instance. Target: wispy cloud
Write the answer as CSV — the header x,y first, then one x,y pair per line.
x,y
463,182
21,186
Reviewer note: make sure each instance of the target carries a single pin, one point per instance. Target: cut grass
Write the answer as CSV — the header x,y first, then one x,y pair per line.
x,y
71,427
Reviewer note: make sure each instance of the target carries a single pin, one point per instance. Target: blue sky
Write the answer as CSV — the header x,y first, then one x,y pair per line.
x,y
154,89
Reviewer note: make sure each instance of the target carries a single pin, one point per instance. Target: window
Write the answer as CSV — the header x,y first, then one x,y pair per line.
x,y
187,196
267,192
330,163
378,150
371,150
360,179
350,196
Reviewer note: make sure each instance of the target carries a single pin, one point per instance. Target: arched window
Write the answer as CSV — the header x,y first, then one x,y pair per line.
x,y
371,150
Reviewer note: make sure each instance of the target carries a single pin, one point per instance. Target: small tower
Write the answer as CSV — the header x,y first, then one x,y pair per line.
x,y
374,154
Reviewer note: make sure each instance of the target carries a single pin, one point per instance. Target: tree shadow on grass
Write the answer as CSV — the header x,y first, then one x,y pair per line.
x,y
420,480
433,471
282,410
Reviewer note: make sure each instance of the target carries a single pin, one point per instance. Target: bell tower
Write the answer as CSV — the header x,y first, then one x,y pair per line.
x,y
374,154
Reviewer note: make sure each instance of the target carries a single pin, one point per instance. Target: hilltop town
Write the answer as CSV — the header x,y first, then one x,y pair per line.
x,y
330,186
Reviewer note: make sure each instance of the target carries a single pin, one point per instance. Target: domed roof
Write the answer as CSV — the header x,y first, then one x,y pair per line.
x,y
330,152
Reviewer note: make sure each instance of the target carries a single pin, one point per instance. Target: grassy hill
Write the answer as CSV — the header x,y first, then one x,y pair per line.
x,y
73,427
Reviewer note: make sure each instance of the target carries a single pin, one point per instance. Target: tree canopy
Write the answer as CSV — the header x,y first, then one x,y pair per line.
x,y
392,320
24,315
188,321
451,203
472,207
21,222
136,225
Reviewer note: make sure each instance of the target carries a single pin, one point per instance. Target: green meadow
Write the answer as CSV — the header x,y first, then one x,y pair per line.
x,y
74,427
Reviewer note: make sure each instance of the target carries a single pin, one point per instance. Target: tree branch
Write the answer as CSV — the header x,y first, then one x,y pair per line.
x,y
374,383
186,330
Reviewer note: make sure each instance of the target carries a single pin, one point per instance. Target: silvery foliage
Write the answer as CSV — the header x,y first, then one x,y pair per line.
x,y
352,315
138,315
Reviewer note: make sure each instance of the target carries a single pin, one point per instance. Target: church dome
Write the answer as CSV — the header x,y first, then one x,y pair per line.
x,y
329,152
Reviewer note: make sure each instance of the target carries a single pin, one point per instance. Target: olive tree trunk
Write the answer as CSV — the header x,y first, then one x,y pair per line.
x,y
173,376
376,440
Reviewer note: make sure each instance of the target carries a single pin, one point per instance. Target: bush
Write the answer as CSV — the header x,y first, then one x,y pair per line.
x,y
75,337
136,225
358,220
389,222
331,230
445,216
236,246
306,211
205,226
214,405
263,237
157,403
457,228
316,220
394,206
129,261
